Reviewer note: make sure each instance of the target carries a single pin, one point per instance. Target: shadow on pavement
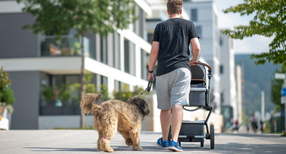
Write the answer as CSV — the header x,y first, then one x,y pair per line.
x,y
250,148
46,149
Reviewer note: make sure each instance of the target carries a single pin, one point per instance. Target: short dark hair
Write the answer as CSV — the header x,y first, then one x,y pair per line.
x,y
174,6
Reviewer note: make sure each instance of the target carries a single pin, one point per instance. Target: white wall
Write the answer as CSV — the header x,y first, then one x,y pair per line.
x,y
63,121
228,87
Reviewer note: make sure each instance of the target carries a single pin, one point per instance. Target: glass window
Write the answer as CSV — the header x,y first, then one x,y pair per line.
x,y
129,57
220,41
194,15
119,52
221,69
114,52
126,56
142,23
101,50
222,97
150,37
106,50
71,79
199,30
143,65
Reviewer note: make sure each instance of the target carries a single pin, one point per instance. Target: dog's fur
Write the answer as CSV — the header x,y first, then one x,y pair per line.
x,y
112,115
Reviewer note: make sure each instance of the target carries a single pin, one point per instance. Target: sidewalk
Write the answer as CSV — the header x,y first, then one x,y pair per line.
x,y
84,142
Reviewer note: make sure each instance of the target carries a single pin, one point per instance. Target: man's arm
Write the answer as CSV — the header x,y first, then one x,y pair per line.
x,y
153,58
196,48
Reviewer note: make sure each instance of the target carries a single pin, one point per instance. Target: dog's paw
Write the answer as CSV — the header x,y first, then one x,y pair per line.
x,y
128,142
109,150
137,148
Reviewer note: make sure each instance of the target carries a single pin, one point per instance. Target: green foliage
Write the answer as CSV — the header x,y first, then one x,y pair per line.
x,y
95,16
104,92
89,88
4,79
65,92
6,94
267,127
77,47
47,92
126,94
269,20
276,86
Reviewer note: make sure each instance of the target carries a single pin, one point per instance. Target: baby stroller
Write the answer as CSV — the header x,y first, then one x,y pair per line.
x,y
193,131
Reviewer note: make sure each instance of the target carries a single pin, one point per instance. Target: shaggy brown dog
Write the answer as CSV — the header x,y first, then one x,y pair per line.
x,y
112,115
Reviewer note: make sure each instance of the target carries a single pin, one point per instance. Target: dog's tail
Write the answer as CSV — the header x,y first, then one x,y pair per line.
x,y
89,102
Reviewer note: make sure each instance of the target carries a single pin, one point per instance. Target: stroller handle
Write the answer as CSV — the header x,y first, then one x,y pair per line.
x,y
204,64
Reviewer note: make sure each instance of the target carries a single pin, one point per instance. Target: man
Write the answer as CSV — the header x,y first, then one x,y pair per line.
x,y
171,48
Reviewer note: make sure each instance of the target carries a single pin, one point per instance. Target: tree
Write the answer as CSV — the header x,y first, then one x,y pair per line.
x,y
269,20
85,16
276,86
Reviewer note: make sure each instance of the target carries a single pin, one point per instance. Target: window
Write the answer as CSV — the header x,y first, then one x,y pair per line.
x,y
136,23
142,23
102,50
143,65
222,97
194,15
106,50
150,37
221,69
129,57
114,51
119,51
220,41
199,30
126,56
60,94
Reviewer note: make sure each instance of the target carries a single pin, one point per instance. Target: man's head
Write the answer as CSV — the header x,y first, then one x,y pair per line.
x,y
174,6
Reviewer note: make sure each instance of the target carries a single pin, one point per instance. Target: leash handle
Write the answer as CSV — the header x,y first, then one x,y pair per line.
x,y
149,85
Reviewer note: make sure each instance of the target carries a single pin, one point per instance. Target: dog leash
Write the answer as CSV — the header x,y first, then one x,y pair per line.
x,y
148,87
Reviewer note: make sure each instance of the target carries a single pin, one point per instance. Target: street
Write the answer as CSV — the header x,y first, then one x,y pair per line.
x,y
84,141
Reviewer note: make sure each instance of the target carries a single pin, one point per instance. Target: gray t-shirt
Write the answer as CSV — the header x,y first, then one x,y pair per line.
x,y
174,37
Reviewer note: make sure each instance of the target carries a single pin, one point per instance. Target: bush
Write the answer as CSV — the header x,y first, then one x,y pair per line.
x,y
6,94
126,94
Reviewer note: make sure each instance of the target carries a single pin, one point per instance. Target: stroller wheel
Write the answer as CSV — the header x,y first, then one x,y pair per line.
x,y
212,136
202,144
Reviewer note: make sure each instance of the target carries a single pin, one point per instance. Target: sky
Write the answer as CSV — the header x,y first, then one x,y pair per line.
x,y
255,44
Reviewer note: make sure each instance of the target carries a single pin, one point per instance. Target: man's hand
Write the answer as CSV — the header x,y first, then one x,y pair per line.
x,y
192,62
150,75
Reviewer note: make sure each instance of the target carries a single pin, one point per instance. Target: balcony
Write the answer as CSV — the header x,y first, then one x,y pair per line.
x,y
67,46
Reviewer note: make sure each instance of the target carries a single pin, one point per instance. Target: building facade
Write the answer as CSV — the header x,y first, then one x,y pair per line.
x,y
204,15
228,74
38,62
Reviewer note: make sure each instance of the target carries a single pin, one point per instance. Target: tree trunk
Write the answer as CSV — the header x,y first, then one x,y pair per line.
x,y
82,79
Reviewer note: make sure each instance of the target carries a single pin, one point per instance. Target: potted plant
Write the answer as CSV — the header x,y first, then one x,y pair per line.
x,y
65,93
6,94
48,94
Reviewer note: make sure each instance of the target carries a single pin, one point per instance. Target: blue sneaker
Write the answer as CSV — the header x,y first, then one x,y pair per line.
x,y
163,144
174,146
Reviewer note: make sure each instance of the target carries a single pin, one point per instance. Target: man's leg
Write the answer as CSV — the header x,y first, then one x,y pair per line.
x,y
165,118
177,117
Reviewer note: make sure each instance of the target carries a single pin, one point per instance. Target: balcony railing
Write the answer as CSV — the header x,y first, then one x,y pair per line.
x,y
67,46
